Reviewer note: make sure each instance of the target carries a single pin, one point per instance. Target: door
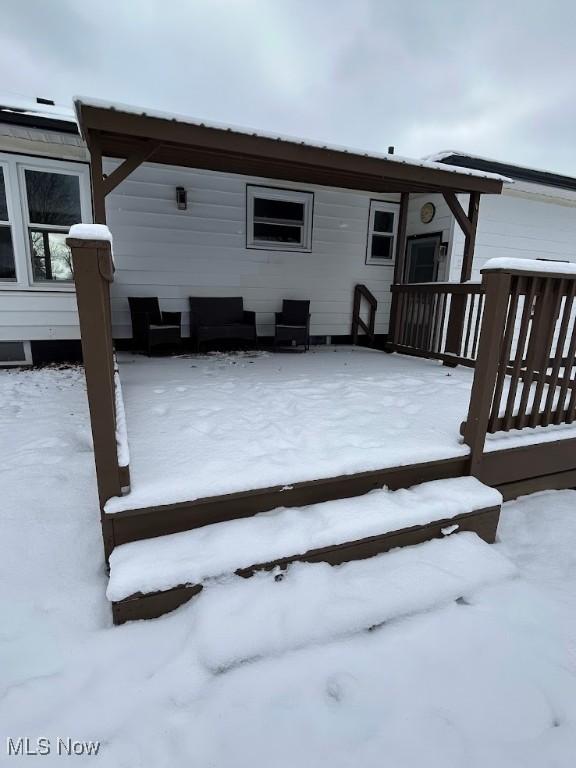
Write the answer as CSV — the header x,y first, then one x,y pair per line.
x,y
423,258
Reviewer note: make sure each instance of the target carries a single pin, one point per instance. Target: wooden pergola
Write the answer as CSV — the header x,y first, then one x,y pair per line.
x,y
136,137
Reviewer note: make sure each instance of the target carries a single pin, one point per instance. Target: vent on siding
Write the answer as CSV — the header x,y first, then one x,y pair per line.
x,y
12,352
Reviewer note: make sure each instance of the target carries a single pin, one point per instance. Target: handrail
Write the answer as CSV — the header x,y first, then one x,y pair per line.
x,y
362,292
526,356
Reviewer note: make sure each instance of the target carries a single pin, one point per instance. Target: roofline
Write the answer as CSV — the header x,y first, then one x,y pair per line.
x,y
518,172
9,115
121,131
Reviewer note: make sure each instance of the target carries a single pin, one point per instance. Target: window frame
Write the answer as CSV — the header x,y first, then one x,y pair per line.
x,y
385,206
64,169
305,197
9,224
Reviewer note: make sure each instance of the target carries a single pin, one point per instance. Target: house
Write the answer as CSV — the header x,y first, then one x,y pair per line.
x,y
44,188
210,229
203,228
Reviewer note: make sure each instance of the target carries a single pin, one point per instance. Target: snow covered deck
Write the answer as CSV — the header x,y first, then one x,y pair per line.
x,y
204,426
201,426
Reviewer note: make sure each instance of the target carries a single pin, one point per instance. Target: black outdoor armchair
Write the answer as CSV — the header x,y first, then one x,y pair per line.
x,y
293,324
151,327
220,319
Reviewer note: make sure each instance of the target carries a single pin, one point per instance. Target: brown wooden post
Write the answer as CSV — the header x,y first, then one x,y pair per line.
x,y
399,264
93,273
497,287
97,180
470,237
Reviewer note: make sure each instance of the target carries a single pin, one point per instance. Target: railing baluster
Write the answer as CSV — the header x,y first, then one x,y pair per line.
x,y
504,354
529,287
568,291
547,323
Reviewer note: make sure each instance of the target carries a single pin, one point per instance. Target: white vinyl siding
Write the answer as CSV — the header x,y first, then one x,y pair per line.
x,y
202,251
519,226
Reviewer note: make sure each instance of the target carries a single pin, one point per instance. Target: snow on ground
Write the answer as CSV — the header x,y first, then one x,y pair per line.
x,y
489,679
254,420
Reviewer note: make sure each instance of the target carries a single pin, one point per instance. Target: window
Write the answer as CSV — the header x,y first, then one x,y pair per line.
x,y
279,219
382,226
7,263
52,206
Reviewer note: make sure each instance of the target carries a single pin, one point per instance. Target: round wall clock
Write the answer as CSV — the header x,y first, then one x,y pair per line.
x,y
427,213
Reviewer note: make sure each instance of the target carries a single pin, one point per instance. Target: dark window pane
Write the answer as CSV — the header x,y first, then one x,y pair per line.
x,y
277,233
53,198
3,206
12,351
278,210
7,266
383,221
381,247
51,258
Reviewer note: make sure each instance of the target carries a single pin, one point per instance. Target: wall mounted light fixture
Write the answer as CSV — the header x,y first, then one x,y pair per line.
x,y
181,198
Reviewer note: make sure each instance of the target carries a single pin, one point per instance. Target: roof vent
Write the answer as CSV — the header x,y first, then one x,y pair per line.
x,y
390,150
48,102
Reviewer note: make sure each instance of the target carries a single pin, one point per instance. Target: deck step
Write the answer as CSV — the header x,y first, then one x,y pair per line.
x,y
316,603
153,576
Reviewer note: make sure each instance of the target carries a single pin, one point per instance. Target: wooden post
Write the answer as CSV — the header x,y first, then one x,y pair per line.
x,y
497,287
399,263
97,180
93,273
470,237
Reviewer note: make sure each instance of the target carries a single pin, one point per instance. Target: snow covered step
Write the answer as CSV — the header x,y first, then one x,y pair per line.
x,y
315,603
335,531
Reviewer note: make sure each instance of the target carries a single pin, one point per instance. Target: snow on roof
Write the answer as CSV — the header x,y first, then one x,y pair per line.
x,y
29,106
439,157
80,101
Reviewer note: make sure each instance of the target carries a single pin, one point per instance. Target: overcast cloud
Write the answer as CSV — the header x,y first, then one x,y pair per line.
x,y
491,78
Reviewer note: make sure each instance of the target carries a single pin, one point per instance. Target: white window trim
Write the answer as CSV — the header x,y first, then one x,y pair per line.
x,y
10,222
19,218
288,195
375,206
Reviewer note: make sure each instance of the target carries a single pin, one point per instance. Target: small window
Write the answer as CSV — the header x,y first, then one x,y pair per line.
x,y
52,206
279,219
382,226
7,263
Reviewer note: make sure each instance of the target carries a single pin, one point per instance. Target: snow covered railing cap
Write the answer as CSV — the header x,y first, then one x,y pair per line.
x,y
90,232
530,267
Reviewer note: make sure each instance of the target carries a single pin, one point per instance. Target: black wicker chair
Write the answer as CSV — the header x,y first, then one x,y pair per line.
x,y
151,327
220,319
293,324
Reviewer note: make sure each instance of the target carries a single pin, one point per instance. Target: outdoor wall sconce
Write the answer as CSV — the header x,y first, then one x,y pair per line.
x,y
181,198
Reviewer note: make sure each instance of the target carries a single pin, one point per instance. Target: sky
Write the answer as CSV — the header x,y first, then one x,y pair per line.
x,y
496,79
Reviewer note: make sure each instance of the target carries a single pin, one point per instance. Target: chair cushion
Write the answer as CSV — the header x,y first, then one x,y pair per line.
x,y
214,311
230,331
295,312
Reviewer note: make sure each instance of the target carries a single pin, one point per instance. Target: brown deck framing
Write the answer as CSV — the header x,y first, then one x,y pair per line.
x,y
514,471
484,522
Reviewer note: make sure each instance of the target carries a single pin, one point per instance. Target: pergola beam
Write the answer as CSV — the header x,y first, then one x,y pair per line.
x,y
129,165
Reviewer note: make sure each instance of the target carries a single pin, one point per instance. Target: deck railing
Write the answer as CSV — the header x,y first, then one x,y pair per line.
x,y
527,354
361,292
438,320
93,274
